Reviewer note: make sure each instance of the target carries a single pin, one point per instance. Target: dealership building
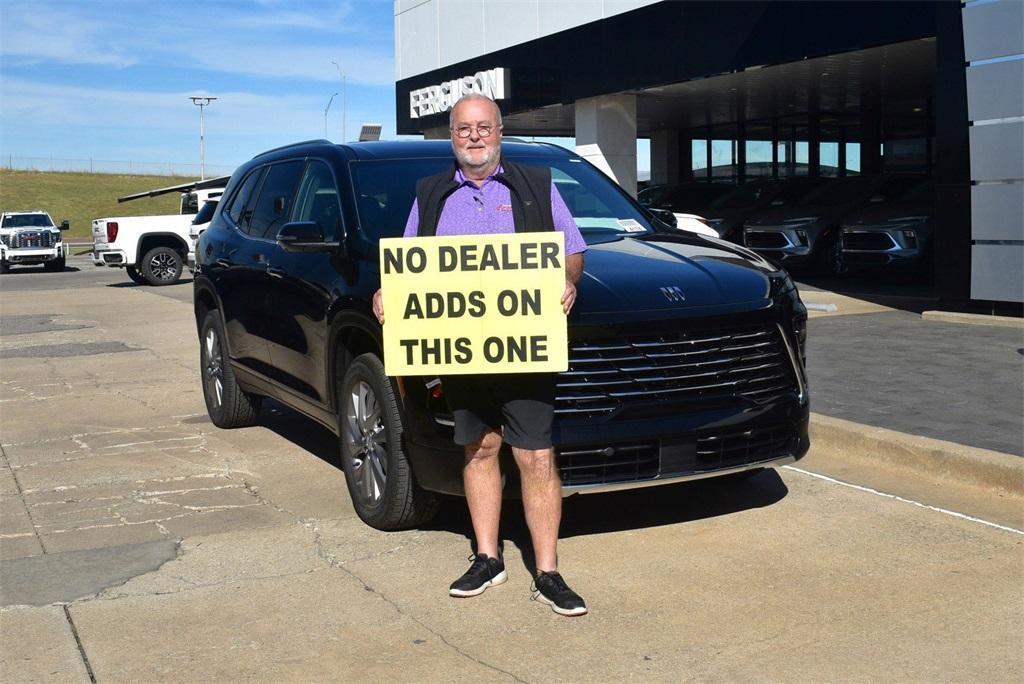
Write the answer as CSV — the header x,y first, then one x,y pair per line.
x,y
738,90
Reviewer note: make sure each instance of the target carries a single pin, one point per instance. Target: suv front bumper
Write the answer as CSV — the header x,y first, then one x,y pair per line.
x,y
781,244
880,246
645,453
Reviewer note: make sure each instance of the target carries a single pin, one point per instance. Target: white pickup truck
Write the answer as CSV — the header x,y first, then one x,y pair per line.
x,y
153,249
31,238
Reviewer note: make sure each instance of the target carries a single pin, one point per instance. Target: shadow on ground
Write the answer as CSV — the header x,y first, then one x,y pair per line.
x,y
132,283
581,514
29,270
905,291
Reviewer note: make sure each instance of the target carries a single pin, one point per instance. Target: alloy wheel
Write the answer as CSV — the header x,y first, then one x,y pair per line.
x,y
213,371
163,266
837,262
367,441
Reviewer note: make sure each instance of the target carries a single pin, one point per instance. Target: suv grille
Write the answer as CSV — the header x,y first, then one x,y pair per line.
x,y
621,463
766,240
41,239
663,372
726,450
867,241
646,461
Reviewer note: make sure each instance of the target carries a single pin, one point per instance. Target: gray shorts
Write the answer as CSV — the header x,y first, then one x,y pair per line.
x,y
522,403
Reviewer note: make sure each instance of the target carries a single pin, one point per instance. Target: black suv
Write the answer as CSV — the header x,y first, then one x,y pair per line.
x,y
686,353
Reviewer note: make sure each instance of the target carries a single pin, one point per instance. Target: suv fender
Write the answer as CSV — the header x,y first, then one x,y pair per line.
x,y
352,333
205,300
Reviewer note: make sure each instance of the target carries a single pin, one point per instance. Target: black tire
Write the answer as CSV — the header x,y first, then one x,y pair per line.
x,y
162,266
134,274
380,480
831,261
55,265
5,267
228,404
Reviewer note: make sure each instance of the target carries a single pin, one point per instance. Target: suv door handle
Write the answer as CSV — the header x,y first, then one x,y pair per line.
x,y
276,272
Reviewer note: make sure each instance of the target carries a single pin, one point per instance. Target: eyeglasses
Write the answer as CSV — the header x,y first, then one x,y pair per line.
x,y
483,131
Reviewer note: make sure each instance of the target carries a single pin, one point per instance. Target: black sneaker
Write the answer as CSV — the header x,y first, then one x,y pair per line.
x,y
484,572
550,588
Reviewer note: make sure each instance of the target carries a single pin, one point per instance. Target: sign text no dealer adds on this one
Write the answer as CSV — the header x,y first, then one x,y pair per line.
x,y
474,304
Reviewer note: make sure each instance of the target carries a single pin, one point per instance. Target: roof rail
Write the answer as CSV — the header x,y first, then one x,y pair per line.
x,y
320,141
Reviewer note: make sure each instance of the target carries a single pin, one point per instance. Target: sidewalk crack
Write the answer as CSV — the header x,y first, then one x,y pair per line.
x,y
81,647
332,562
21,497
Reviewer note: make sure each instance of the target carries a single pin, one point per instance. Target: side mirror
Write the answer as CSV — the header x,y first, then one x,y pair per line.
x,y
304,236
65,225
665,216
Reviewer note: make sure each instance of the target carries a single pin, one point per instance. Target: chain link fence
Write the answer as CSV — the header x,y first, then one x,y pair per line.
x,y
131,168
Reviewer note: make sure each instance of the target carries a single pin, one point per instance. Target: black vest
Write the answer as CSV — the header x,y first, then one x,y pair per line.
x,y
529,186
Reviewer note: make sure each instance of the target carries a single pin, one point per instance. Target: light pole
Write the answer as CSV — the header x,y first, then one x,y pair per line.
x,y
327,109
201,101
344,103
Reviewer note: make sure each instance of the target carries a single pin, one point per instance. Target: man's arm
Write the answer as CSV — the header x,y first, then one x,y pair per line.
x,y
573,271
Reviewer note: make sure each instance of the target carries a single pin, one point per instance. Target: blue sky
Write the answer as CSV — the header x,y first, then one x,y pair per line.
x,y
109,79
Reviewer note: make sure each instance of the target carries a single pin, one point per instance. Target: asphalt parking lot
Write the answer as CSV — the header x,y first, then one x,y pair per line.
x,y
140,543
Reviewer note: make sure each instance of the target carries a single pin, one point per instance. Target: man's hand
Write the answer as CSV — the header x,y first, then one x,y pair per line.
x,y
573,271
568,297
378,306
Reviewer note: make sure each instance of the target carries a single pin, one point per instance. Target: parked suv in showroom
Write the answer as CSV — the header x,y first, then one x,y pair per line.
x,y
686,353
894,235
806,233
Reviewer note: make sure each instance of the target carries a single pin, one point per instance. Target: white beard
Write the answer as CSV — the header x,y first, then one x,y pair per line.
x,y
466,158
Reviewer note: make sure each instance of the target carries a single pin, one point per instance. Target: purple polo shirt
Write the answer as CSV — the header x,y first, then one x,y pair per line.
x,y
488,210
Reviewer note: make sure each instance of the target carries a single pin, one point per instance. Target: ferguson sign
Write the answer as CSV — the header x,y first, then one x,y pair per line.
x,y
440,98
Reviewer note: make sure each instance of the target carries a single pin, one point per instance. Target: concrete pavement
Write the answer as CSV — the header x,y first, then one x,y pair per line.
x,y
138,542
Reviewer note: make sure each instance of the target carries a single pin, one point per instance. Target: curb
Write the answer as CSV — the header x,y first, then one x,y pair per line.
x,y
949,460
973,319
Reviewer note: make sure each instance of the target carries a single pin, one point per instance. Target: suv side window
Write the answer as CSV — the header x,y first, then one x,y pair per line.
x,y
274,205
317,200
243,198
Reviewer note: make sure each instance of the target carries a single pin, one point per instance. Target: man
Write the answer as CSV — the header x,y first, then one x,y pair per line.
x,y
484,194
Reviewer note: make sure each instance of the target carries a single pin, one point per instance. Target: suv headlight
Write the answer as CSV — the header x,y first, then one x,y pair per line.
x,y
781,284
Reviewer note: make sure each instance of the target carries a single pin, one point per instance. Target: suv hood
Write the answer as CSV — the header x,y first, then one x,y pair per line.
x,y
888,212
825,214
631,278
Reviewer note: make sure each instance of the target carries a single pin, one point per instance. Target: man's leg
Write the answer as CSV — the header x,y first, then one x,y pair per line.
x,y
481,477
542,502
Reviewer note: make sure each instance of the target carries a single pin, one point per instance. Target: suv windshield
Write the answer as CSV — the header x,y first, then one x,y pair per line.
x,y
386,190
837,192
747,195
28,221
920,194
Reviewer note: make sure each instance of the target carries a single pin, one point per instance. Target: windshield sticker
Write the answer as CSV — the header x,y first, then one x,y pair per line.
x,y
630,225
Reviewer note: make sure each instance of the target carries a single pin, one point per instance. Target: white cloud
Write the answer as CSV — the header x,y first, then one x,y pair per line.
x,y
292,42
38,33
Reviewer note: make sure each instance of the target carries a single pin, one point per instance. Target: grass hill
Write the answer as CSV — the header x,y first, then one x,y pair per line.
x,y
82,197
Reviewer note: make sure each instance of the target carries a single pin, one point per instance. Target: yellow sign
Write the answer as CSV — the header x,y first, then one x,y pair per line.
x,y
474,304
